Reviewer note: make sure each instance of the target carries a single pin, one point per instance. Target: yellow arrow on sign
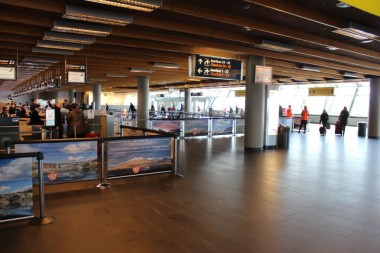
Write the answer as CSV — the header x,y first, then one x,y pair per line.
x,y
371,6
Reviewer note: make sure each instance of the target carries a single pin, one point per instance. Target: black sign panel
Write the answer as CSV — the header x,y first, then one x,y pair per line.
x,y
215,68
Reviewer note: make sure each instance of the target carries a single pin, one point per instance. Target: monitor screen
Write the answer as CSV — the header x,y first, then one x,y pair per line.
x,y
76,77
8,73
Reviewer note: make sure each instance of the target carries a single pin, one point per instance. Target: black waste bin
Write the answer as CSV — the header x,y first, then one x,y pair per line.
x,y
362,129
283,136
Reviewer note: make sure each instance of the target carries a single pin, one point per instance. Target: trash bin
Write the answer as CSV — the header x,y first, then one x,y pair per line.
x,y
283,136
362,129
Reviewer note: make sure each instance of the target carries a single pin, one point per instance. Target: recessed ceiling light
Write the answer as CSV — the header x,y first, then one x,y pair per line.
x,y
81,28
366,41
332,48
71,38
140,5
342,5
96,16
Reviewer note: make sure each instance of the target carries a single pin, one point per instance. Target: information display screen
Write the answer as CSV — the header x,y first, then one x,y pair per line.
x,y
76,77
8,73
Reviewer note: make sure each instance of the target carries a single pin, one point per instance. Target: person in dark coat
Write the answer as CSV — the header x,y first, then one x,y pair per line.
x,y
58,131
343,117
23,112
324,118
35,118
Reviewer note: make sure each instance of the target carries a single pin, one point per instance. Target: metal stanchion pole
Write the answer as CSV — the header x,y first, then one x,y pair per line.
x,y
8,147
42,219
176,159
103,183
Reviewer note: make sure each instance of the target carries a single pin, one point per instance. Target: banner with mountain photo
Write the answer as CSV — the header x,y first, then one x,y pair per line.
x,y
16,196
138,156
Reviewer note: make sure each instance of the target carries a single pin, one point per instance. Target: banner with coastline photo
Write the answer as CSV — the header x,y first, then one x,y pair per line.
x,y
170,126
64,161
196,127
222,126
16,196
240,126
138,156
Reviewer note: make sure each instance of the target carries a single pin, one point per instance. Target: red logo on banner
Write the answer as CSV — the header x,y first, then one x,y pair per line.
x,y
52,175
136,169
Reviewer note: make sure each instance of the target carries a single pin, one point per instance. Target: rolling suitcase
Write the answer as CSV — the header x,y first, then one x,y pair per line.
x,y
322,130
338,128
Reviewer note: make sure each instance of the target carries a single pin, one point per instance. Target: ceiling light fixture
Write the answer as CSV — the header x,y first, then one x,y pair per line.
x,y
366,41
165,65
357,31
138,70
52,51
350,74
59,45
342,5
140,5
275,46
332,48
96,16
40,59
310,68
95,80
79,28
70,38
116,75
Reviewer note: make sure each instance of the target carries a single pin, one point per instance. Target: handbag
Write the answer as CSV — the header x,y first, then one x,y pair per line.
x,y
328,126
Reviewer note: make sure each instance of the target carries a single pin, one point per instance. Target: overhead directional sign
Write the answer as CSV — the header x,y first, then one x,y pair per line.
x,y
370,6
322,91
215,68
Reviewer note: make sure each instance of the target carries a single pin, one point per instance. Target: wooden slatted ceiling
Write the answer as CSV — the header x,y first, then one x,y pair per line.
x,y
214,27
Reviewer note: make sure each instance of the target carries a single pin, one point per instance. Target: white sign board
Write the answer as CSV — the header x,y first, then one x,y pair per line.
x,y
50,117
123,113
90,114
263,75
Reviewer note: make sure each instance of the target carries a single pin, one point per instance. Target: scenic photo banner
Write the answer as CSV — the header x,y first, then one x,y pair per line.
x,y
16,196
138,156
64,161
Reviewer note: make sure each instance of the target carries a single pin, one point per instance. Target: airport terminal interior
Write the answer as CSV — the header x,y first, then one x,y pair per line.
x,y
182,140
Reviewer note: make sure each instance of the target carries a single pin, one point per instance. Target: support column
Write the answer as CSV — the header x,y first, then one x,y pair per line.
x,y
72,97
187,100
254,107
96,93
143,101
374,109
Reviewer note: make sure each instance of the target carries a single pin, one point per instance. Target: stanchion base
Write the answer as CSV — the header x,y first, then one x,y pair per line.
x,y
179,175
42,221
103,185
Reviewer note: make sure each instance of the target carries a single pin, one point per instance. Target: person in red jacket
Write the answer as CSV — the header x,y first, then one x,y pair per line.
x,y
304,119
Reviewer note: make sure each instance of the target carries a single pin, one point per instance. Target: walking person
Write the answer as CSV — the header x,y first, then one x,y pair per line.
x,y
343,117
324,118
304,119
133,110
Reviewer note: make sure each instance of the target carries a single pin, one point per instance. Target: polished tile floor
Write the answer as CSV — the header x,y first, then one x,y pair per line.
x,y
322,195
